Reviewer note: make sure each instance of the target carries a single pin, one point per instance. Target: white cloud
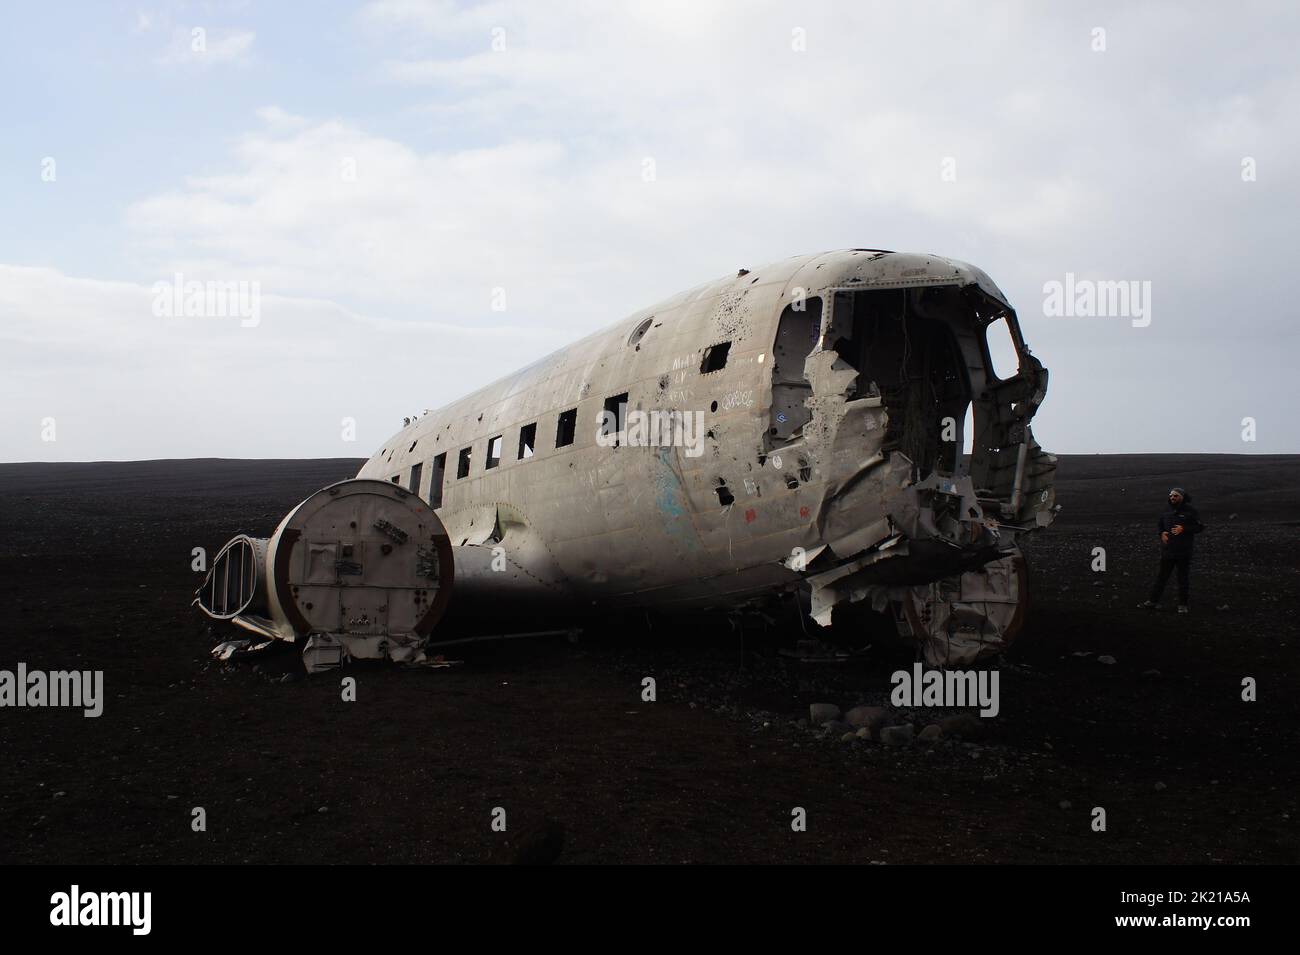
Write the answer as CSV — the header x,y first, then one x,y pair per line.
x,y
276,118
1065,159
123,383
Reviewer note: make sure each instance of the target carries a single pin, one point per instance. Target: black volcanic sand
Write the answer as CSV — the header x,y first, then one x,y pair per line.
x,y
95,574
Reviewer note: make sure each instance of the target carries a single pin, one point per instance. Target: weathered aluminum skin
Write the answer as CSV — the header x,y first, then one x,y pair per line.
x,y
831,508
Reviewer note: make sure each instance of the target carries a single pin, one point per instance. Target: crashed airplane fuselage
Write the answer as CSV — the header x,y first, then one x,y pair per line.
x,y
794,429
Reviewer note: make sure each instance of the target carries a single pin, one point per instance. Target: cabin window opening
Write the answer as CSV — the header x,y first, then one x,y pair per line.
x,y
1004,356
417,471
462,465
493,453
437,471
902,344
614,420
796,337
527,440
566,428
396,479
725,497
715,358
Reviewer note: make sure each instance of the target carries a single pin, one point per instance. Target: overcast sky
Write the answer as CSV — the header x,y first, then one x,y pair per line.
x,y
381,168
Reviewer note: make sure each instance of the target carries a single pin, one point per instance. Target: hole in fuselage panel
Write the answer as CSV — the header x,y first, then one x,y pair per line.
x,y
904,349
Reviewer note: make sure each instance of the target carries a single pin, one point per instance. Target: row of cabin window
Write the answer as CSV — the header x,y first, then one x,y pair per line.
x,y
566,428
715,359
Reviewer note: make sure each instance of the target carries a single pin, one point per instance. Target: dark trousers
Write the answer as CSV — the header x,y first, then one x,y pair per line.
x,y
1167,566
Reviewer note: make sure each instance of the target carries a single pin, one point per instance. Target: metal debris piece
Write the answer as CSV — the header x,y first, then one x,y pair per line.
x,y
392,530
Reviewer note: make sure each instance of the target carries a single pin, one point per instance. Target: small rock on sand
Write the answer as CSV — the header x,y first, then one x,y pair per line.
x,y
819,713
897,735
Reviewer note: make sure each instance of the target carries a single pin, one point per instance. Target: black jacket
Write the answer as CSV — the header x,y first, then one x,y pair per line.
x,y
1180,545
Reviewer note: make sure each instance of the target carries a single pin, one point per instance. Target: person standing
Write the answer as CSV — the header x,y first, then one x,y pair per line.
x,y
1178,527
